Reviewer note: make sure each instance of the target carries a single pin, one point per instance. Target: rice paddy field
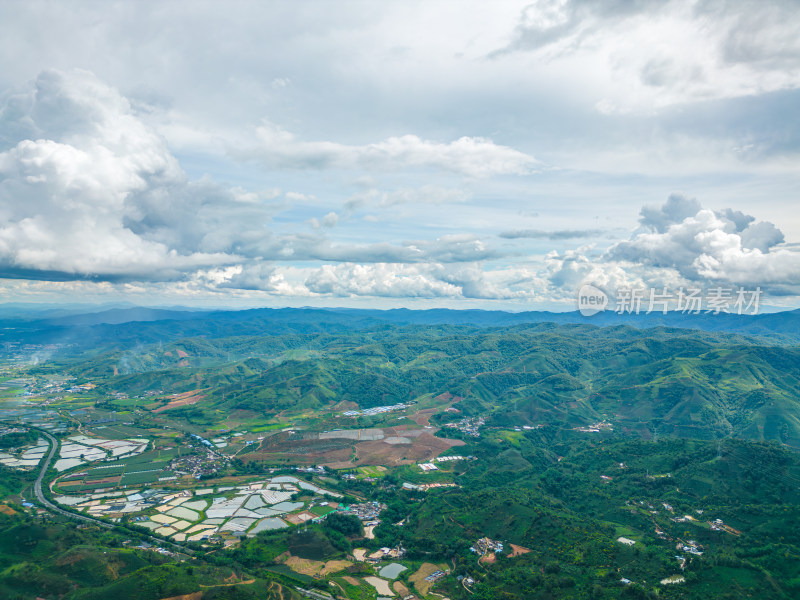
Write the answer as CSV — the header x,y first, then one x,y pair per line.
x,y
195,515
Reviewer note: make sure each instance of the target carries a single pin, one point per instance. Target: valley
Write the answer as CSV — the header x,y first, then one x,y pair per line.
x,y
597,462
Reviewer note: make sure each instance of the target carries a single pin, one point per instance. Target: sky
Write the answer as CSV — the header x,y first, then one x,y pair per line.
x,y
385,154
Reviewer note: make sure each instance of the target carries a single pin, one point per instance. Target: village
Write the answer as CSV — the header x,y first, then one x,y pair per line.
x,y
687,546
468,425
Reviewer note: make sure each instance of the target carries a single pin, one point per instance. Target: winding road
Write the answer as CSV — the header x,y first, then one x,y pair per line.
x,y
37,490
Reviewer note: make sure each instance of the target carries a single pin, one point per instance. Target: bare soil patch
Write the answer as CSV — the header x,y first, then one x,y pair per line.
x,y
401,590
105,480
337,453
305,566
184,399
422,448
518,550
332,566
418,578
315,568
423,416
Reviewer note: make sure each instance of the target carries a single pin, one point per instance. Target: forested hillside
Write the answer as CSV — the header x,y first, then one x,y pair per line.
x,y
646,381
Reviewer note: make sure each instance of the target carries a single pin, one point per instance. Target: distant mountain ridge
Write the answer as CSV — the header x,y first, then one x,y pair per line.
x,y
146,325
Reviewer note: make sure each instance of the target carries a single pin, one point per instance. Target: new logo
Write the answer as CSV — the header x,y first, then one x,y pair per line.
x,y
591,300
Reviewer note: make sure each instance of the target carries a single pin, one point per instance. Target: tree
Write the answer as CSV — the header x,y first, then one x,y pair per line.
x,y
348,525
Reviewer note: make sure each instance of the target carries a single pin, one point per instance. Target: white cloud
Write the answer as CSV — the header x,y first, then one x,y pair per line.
x,y
470,156
66,191
328,221
674,210
681,242
298,197
98,194
721,245
651,54
446,249
700,94
263,277
429,280
426,194
391,280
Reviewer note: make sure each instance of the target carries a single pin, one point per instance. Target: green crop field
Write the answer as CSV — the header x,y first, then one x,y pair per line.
x,y
141,477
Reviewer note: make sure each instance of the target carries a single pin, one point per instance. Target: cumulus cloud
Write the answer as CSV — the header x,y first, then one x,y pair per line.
x,y
681,244
390,280
430,280
89,191
329,220
674,210
66,190
263,277
701,244
470,156
565,272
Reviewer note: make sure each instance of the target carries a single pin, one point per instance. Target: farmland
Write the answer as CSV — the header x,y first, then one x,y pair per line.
x,y
279,468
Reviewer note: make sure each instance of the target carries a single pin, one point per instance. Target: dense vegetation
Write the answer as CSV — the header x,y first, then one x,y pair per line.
x,y
682,383
696,426
569,517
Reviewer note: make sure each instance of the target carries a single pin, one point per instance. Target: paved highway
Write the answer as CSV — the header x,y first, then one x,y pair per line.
x,y
37,490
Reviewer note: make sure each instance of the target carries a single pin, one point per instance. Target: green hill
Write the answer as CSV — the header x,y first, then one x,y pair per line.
x,y
676,382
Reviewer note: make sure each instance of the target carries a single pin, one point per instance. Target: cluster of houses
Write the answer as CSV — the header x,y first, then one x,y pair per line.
x,y
374,558
450,458
690,547
470,426
429,466
424,487
718,525
714,525
436,576
485,545
687,546
197,465
313,470
596,427
367,512
467,580
375,410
